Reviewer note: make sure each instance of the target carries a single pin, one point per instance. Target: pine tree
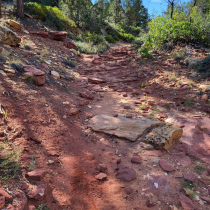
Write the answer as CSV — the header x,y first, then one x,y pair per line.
x,y
136,13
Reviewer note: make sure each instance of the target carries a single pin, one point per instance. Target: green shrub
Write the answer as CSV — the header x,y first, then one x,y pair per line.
x,y
70,63
90,48
179,28
110,39
144,51
52,16
95,38
126,37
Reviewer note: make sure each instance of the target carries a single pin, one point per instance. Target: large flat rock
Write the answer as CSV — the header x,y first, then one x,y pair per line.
x,y
122,127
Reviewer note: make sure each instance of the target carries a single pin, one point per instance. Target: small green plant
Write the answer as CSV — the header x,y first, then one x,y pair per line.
x,y
142,107
144,52
189,102
173,77
154,112
43,207
167,106
31,166
179,82
146,84
179,55
191,83
199,169
142,85
188,184
70,63
5,114
9,161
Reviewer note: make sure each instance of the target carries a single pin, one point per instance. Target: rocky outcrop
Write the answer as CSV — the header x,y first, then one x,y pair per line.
x,y
9,37
164,137
58,35
35,74
121,126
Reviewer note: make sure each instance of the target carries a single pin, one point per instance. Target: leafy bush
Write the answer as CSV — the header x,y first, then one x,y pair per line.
x,y
125,36
144,51
137,43
95,38
110,39
70,63
164,29
89,48
52,16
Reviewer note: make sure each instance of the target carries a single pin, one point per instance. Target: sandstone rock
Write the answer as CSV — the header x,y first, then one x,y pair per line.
x,y
101,168
35,175
165,166
73,111
58,35
203,128
9,37
3,74
101,176
126,175
207,199
205,180
55,74
95,80
86,95
136,159
37,75
70,44
204,88
31,207
150,102
43,66
121,126
20,199
5,194
2,201
187,204
15,24
9,70
164,137
190,177
39,192
43,34
156,153
10,207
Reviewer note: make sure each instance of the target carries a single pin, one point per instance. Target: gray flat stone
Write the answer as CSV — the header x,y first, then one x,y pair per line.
x,y
122,127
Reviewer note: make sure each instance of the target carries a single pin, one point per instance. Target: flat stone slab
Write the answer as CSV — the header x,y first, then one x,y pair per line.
x,y
122,127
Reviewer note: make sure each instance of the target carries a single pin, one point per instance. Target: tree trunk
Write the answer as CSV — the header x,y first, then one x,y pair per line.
x,y
20,8
0,9
172,9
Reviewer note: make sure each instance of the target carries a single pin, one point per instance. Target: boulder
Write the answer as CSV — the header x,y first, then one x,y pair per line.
x,y
127,174
39,192
35,175
58,35
9,37
121,126
204,88
15,24
55,74
70,44
43,34
187,204
37,75
164,137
